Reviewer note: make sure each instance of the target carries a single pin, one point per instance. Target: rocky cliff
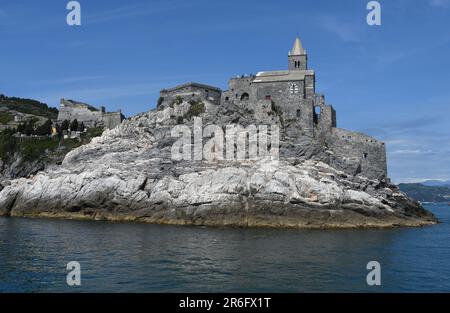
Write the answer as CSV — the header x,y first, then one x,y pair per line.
x,y
128,174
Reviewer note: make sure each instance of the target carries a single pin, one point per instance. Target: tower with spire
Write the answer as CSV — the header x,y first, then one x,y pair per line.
x,y
297,57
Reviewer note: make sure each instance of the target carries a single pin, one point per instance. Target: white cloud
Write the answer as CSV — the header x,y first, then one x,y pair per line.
x,y
343,30
416,151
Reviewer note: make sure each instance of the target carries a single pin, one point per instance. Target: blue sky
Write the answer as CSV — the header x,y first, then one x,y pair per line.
x,y
390,81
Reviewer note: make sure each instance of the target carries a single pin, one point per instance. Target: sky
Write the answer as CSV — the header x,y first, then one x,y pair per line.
x,y
390,81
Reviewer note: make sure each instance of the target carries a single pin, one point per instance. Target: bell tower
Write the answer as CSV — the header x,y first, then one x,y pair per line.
x,y
297,57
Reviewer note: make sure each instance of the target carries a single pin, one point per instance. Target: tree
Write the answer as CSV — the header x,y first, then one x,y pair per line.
x,y
28,128
59,130
74,125
44,129
81,127
21,128
65,125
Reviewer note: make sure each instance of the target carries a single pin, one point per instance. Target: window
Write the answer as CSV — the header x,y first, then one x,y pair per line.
x,y
316,114
365,155
299,113
293,89
245,96
268,97
227,98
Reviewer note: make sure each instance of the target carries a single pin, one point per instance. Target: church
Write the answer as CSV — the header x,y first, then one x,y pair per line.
x,y
292,92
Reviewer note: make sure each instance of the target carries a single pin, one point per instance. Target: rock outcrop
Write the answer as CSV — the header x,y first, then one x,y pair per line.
x,y
128,174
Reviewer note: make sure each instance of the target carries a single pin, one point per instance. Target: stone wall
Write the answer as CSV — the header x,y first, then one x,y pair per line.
x,y
188,92
303,59
88,115
238,88
364,153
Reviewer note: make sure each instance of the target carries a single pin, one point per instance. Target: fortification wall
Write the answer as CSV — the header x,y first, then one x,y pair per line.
x,y
112,119
190,92
324,116
81,114
237,88
360,150
88,115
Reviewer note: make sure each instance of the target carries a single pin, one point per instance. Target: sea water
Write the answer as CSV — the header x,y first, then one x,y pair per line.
x,y
131,257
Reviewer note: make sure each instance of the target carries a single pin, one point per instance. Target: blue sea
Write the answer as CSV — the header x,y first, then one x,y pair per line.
x,y
129,257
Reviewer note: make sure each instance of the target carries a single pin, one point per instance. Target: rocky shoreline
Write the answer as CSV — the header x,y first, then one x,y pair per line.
x,y
128,174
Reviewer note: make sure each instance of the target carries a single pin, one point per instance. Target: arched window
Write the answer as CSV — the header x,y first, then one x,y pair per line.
x,y
316,113
293,89
245,96
299,113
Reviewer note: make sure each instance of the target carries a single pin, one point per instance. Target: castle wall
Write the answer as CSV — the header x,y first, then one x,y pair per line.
x,y
361,150
88,115
112,119
237,87
190,92
81,114
324,116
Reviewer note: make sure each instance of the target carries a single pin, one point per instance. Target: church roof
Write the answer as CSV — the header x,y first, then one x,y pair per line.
x,y
282,76
297,49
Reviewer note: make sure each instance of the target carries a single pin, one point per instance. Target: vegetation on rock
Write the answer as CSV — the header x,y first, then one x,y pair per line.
x,y
196,108
28,106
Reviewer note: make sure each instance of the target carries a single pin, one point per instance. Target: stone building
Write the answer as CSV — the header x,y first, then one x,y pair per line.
x,y
190,91
293,93
89,115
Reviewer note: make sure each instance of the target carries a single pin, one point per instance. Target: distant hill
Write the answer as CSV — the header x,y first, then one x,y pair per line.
x,y
436,183
27,106
424,193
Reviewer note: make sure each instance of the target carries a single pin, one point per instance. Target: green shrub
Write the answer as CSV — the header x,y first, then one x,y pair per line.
x,y
6,117
177,101
196,108
8,144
